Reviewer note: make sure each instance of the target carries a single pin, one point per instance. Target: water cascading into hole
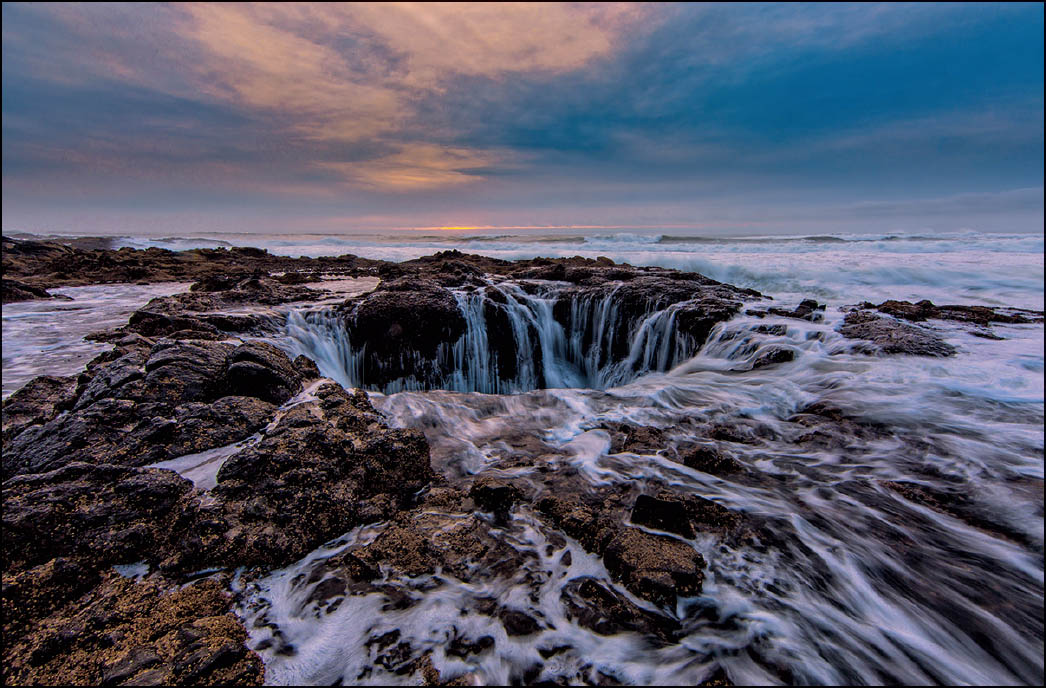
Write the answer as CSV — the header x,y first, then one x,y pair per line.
x,y
513,341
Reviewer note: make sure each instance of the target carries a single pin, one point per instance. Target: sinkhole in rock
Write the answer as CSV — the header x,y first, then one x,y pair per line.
x,y
507,337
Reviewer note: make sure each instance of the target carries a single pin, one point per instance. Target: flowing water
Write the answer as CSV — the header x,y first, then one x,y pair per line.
x,y
853,580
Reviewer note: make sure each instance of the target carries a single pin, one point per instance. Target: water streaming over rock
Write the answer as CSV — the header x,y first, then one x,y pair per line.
x,y
517,337
895,502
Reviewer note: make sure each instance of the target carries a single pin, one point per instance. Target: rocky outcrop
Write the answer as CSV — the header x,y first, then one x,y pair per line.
x,y
13,291
808,309
978,315
654,567
36,403
37,265
891,336
400,326
128,633
151,403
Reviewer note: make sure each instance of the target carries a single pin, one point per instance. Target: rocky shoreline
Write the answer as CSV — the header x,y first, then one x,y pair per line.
x,y
308,461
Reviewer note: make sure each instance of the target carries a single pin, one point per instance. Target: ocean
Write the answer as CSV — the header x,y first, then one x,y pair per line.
x,y
861,584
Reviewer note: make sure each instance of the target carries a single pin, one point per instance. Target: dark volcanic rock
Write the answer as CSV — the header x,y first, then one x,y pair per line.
x,y
709,459
892,336
51,264
100,513
13,291
638,439
127,633
598,608
495,495
654,567
40,400
154,403
774,355
401,324
662,514
259,369
312,476
585,520
978,315
421,543
808,309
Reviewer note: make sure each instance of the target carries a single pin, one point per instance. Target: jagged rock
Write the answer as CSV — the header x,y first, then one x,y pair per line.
x,y
86,260
495,495
128,633
603,610
311,477
638,439
653,567
978,315
662,514
773,356
580,519
709,459
13,291
400,325
98,513
40,400
518,623
892,336
420,543
155,403
259,369
306,367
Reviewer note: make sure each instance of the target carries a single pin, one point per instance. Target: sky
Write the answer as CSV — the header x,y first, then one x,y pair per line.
x,y
753,118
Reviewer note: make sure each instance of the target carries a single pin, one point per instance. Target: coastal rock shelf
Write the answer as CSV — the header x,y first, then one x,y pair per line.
x,y
217,499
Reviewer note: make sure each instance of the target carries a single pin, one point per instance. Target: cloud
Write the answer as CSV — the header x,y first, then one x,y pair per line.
x,y
351,72
416,166
317,74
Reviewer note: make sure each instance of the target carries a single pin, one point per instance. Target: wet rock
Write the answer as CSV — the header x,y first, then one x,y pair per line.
x,y
39,401
978,315
808,309
709,459
153,403
637,439
598,608
830,427
683,515
128,633
892,336
495,495
662,514
14,291
36,591
197,427
419,543
773,356
400,325
87,260
107,514
580,519
306,367
183,371
518,623
259,369
960,505
463,647
654,567
269,491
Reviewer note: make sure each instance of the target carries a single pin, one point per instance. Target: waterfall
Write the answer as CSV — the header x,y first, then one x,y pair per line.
x,y
516,339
